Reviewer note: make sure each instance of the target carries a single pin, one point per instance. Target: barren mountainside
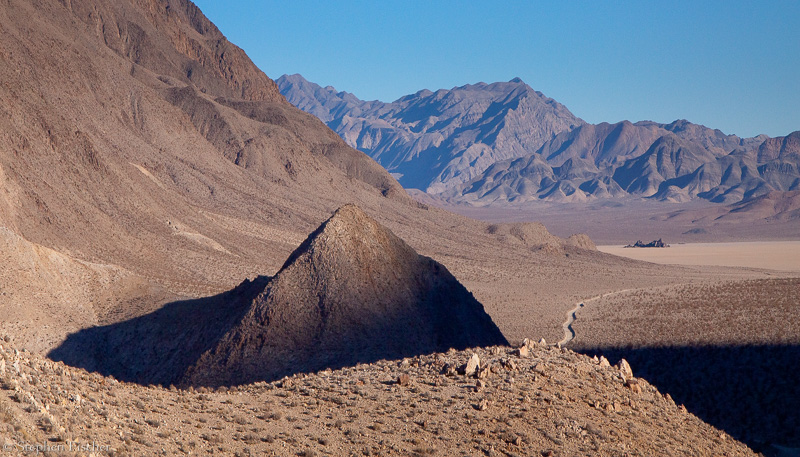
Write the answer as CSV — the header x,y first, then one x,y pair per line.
x,y
675,162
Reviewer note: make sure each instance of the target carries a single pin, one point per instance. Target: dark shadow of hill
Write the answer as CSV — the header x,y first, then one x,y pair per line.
x,y
275,340
157,348
162,347
751,392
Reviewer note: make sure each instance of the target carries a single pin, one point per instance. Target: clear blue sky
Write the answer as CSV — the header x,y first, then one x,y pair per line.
x,y
732,65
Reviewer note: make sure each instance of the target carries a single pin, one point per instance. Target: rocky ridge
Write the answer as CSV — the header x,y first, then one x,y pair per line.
x,y
675,162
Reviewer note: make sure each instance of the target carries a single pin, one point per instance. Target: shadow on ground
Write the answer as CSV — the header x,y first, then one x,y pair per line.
x,y
751,392
225,340
158,347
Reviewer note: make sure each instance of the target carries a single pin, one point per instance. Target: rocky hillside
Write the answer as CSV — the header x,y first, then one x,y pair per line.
x,y
138,122
352,292
144,160
535,400
436,140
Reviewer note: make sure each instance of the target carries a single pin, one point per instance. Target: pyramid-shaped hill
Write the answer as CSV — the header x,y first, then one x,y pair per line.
x,y
352,292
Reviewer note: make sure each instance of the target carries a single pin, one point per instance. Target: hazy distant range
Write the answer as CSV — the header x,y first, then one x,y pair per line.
x,y
500,143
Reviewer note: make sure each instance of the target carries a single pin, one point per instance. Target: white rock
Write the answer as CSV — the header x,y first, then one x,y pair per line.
x,y
625,368
473,365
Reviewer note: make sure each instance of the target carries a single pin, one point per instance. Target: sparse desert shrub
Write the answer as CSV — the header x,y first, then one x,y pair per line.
x,y
250,438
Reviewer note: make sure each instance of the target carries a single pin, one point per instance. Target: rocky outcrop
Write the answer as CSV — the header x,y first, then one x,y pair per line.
x,y
653,244
352,292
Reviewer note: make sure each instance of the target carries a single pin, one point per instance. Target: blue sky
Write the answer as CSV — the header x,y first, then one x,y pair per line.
x,y
731,65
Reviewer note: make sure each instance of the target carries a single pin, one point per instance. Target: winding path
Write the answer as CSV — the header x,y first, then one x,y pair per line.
x,y
569,332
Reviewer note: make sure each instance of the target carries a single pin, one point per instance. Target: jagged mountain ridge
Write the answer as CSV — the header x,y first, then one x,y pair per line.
x,y
679,161
436,140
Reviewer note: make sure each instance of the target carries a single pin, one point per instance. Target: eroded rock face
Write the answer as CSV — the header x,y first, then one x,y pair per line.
x,y
352,292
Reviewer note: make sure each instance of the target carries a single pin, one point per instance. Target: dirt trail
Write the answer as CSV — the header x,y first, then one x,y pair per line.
x,y
569,332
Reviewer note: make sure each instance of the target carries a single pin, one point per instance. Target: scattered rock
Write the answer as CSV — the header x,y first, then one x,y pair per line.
x,y
625,368
633,384
542,342
404,380
522,351
480,385
472,365
482,405
449,369
2,367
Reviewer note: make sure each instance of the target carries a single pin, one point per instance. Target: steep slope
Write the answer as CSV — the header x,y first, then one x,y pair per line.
x,y
138,122
352,292
667,158
604,144
436,140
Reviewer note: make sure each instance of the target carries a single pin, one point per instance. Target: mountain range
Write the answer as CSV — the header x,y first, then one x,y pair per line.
x,y
436,140
507,143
